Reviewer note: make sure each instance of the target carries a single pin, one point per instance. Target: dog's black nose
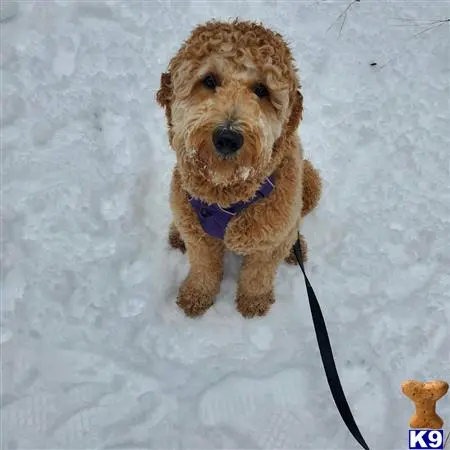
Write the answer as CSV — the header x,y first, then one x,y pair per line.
x,y
227,141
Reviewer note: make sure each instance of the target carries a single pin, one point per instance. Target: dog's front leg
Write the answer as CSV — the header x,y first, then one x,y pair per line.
x,y
255,289
202,284
205,254
255,292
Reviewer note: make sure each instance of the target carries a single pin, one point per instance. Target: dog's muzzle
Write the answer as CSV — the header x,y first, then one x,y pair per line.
x,y
227,141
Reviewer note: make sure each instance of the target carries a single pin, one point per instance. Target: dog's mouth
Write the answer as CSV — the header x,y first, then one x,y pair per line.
x,y
229,156
232,177
224,154
218,169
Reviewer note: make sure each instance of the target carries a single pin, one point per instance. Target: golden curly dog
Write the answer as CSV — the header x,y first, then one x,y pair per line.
x,y
233,105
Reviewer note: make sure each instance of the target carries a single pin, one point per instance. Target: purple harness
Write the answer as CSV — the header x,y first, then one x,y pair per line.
x,y
214,219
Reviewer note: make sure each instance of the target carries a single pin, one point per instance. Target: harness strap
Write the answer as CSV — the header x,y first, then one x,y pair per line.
x,y
326,354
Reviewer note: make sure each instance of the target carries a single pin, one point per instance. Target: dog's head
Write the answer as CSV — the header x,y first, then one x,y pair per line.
x,y
231,95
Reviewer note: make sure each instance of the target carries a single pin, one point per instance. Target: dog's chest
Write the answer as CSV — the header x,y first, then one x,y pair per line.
x,y
214,219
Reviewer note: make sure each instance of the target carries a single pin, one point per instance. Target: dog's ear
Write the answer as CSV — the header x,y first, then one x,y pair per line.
x,y
164,98
296,113
164,94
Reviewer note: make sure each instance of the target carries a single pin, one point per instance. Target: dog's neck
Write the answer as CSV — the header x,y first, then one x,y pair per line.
x,y
224,196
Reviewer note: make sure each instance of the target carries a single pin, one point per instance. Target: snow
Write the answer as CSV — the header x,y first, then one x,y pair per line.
x,y
95,353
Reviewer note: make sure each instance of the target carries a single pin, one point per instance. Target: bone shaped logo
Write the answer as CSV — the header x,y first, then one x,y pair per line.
x,y
425,395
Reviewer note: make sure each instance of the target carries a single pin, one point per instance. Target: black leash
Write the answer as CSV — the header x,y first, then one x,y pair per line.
x,y
327,355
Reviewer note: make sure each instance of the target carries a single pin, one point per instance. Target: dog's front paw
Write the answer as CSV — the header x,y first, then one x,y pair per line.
x,y
192,301
254,305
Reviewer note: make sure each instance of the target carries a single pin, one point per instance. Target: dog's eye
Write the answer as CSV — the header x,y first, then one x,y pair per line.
x,y
261,91
210,81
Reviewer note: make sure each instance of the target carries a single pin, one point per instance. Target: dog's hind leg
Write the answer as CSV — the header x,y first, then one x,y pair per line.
x,y
175,239
291,259
312,187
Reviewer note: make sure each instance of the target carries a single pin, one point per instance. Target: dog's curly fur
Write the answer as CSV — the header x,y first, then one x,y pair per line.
x,y
240,55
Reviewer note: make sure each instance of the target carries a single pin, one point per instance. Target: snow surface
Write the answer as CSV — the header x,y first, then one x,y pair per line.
x,y
95,352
